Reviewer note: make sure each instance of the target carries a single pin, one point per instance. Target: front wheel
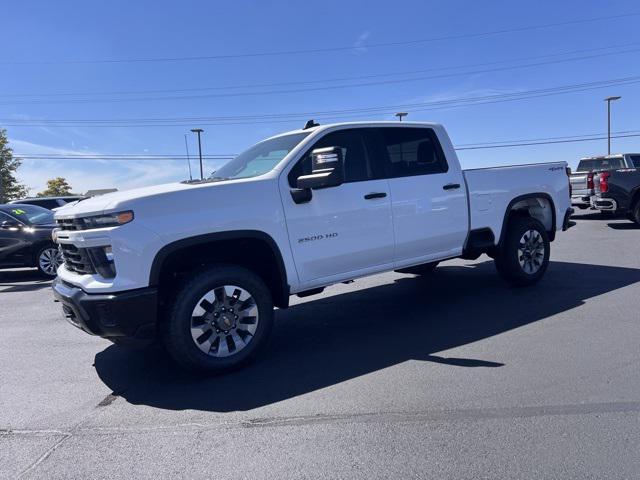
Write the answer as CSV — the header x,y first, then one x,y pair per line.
x,y
523,257
219,320
48,260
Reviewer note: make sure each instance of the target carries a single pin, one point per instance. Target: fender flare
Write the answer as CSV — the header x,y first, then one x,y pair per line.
x,y
508,210
168,249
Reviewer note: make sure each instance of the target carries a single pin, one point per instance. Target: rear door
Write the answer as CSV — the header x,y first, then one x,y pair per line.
x,y
428,197
341,231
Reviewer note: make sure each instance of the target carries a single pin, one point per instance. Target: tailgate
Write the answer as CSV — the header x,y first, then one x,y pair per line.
x,y
579,181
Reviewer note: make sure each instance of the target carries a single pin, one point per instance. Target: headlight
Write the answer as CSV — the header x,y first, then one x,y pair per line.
x,y
108,220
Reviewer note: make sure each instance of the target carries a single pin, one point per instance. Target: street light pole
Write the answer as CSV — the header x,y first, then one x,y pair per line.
x,y
609,100
199,131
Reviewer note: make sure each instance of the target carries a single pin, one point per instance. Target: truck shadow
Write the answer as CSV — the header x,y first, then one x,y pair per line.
x,y
624,226
320,343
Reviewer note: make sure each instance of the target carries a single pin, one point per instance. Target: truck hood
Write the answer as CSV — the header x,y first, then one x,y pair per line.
x,y
113,201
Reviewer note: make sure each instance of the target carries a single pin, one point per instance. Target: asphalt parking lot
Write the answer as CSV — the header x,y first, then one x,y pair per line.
x,y
452,376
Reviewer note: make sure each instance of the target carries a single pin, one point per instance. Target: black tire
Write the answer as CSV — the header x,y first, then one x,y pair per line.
x,y
43,271
635,213
423,269
176,327
508,259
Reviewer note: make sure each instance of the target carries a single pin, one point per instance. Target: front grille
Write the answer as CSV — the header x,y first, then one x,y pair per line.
x,y
76,259
70,223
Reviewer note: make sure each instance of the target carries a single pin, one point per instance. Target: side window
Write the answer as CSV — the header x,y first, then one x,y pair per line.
x,y
49,204
635,159
357,167
412,151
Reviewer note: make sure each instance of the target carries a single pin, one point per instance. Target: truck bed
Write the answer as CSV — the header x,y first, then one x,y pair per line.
x,y
491,190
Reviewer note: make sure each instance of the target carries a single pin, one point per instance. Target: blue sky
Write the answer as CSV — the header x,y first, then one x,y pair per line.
x,y
42,40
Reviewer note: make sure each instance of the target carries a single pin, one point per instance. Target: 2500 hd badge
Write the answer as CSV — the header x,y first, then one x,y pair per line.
x,y
317,237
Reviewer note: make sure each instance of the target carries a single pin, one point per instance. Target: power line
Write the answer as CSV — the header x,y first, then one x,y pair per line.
x,y
327,49
549,142
329,114
296,90
362,77
589,137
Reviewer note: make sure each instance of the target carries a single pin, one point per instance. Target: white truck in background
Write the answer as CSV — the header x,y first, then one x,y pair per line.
x,y
200,266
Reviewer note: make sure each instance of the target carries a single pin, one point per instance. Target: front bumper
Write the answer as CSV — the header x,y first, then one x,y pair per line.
x,y
131,314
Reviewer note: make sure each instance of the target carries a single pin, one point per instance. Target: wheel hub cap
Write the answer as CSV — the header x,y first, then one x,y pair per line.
x,y
49,261
224,321
531,251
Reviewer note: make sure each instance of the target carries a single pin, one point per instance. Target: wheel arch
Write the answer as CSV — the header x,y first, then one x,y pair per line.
x,y
527,203
262,256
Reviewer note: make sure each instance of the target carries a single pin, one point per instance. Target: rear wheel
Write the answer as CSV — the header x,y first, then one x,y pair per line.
x,y
219,320
635,213
48,260
523,257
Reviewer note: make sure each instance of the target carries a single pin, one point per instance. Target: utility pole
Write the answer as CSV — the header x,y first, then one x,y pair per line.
x,y
400,115
609,100
186,147
199,131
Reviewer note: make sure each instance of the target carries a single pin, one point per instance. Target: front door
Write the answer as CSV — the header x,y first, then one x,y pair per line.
x,y
342,231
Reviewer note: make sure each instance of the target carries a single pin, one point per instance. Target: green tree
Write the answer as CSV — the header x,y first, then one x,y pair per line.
x,y
10,188
56,187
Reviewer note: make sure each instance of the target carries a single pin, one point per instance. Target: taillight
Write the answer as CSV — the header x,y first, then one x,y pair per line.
x,y
604,182
568,170
590,181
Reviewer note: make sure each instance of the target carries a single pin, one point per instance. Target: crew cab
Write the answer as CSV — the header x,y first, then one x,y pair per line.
x,y
618,191
582,185
201,265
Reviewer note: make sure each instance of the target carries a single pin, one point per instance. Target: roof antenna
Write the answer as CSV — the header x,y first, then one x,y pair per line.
x,y
400,115
310,124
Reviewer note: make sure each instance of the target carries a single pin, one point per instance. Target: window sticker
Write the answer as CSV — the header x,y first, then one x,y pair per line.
x,y
18,211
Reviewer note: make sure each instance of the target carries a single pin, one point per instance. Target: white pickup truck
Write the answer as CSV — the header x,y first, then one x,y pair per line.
x,y
201,265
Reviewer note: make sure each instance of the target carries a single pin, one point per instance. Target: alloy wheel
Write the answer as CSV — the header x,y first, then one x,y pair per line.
x,y
49,261
531,251
224,321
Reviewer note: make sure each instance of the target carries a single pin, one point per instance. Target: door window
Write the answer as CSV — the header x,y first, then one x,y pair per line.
x,y
412,151
635,159
357,166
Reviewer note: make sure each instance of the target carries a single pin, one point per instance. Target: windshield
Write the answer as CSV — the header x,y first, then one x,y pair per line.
x,y
261,158
594,164
31,214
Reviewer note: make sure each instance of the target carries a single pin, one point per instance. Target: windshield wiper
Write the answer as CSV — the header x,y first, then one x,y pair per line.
x,y
206,180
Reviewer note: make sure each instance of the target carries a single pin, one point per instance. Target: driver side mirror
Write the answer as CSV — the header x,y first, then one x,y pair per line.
x,y
327,169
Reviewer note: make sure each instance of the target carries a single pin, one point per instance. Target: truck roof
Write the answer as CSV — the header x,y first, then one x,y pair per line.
x,y
370,123
613,155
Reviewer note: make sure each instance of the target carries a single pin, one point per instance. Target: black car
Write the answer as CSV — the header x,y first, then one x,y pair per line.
x,y
25,238
48,202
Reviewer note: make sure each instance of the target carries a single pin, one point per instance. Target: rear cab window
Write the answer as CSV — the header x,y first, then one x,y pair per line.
x,y
410,151
595,164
